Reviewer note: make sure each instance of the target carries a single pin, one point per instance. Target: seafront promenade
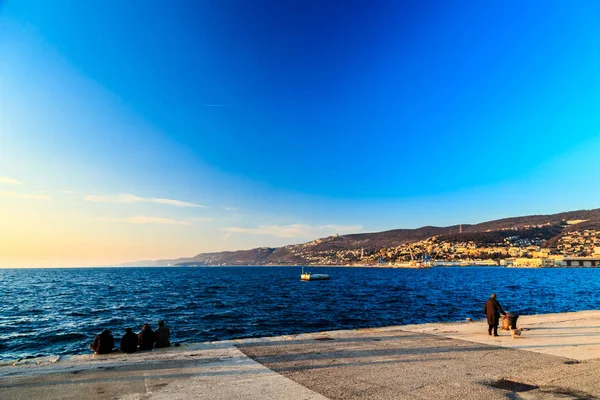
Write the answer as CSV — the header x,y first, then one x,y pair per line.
x,y
557,357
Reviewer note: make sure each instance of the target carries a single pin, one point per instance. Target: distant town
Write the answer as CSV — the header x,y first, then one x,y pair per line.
x,y
577,249
568,239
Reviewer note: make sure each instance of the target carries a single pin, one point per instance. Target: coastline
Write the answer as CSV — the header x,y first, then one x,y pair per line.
x,y
374,266
280,367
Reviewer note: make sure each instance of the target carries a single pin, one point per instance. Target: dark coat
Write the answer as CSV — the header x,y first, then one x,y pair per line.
x,y
103,343
129,343
492,311
146,339
162,336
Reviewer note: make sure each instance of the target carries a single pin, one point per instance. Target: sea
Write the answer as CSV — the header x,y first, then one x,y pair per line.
x,y
46,312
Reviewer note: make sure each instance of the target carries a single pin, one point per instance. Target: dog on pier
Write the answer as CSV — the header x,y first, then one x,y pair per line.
x,y
515,333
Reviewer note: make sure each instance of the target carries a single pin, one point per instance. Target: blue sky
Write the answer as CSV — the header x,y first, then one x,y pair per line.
x,y
149,129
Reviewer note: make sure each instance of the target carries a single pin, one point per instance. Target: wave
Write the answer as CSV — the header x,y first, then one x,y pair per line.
x,y
76,314
265,301
65,337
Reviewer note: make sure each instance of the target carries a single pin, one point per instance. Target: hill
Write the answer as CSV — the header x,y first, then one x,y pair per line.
x,y
545,230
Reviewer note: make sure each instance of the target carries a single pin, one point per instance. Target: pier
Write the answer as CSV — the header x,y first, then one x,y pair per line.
x,y
558,356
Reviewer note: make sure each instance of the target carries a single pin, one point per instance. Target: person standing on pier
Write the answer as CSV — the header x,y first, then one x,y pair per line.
x,y
492,311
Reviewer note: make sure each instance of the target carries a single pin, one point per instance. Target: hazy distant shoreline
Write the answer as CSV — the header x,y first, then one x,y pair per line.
x,y
297,266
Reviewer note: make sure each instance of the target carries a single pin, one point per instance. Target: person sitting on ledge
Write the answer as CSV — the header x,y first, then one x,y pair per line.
x,y
146,338
492,311
162,335
129,341
103,343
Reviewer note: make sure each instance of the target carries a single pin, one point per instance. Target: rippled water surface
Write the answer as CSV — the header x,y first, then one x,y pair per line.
x,y
59,311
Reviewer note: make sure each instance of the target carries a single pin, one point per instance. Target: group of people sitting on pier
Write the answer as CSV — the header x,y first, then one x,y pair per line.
x,y
147,339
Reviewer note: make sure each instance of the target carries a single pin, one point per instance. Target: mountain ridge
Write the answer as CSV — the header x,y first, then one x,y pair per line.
x,y
548,228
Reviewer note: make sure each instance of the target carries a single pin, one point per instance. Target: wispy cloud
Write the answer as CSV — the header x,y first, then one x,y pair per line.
x,y
229,208
10,181
294,230
27,196
127,198
156,220
148,220
202,219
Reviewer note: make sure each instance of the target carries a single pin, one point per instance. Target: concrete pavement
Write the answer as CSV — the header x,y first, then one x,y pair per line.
x,y
200,371
573,335
558,356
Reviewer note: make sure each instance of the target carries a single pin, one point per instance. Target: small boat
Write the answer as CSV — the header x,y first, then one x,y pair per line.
x,y
308,276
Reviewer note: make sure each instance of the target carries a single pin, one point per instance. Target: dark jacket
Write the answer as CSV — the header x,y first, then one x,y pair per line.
x,y
129,343
162,336
103,343
492,311
146,338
